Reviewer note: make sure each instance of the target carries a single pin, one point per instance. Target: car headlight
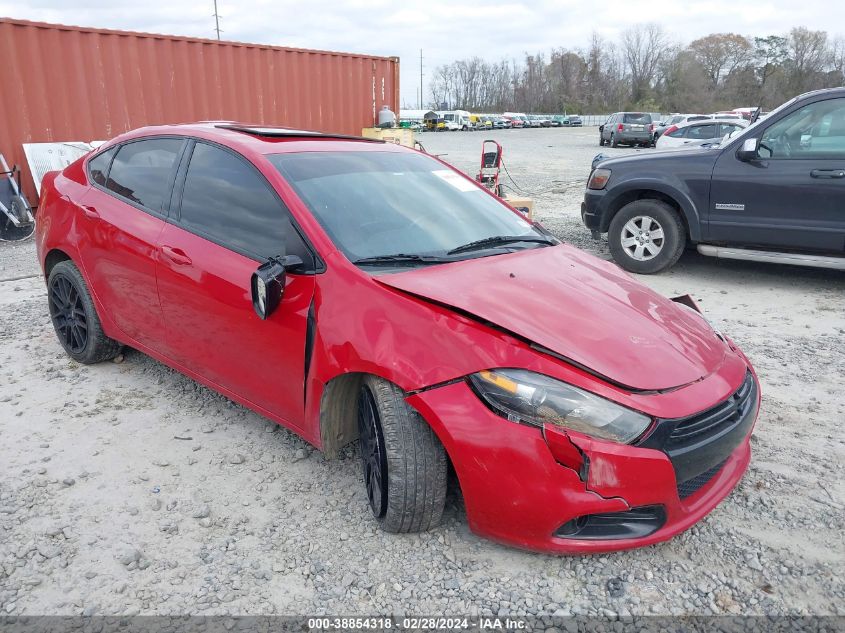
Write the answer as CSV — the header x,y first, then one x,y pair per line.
x,y
598,179
524,396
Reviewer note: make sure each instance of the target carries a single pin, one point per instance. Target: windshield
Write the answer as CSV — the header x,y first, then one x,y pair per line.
x,y
379,204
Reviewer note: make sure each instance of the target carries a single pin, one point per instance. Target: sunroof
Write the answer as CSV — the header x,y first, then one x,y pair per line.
x,y
288,132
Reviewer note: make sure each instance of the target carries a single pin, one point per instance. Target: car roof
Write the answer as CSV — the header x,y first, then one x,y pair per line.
x,y
261,139
711,121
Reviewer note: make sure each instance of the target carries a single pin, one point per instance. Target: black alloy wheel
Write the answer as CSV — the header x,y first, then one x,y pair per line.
x,y
373,454
68,313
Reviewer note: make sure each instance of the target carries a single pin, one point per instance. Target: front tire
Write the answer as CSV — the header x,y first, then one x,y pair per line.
x,y
646,236
74,317
405,465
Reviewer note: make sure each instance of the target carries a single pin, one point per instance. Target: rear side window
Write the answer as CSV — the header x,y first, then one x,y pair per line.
x,y
681,132
636,118
702,131
728,128
228,201
98,167
142,170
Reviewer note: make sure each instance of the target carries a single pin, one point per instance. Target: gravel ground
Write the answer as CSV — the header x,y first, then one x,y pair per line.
x,y
126,488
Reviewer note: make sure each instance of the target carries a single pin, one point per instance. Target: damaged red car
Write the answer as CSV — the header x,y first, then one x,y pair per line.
x,y
351,289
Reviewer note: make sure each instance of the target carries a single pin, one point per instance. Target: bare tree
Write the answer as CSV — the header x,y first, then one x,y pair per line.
x,y
715,72
643,46
809,55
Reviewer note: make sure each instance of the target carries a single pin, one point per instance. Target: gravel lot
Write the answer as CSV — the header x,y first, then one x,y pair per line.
x,y
126,488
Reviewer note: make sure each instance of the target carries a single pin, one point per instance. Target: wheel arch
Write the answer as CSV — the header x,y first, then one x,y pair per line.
x,y
682,204
53,257
338,412
56,255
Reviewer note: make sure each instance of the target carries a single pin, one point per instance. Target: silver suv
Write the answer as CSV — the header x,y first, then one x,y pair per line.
x,y
627,128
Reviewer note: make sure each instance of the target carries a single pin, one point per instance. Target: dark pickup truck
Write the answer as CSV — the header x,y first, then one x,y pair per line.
x,y
775,192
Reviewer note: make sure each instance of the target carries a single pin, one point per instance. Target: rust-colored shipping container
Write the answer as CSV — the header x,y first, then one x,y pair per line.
x,y
67,83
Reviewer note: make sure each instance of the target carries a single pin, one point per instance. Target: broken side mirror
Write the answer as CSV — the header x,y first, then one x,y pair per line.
x,y
268,283
748,151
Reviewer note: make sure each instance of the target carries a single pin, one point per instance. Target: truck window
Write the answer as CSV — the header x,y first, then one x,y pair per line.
x,y
816,131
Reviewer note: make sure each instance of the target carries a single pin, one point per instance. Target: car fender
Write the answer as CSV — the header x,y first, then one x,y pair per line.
x,y
57,230
674,189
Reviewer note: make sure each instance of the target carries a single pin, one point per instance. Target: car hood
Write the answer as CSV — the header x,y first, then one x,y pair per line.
x,y
579,307
667,154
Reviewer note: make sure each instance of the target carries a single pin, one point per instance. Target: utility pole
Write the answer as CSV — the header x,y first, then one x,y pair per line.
x,y
216,20
421,81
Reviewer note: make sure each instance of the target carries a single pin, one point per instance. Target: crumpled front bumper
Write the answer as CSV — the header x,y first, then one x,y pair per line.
x,y
521,485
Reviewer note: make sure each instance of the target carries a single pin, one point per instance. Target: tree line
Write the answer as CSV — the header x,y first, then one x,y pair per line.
x,y
645,70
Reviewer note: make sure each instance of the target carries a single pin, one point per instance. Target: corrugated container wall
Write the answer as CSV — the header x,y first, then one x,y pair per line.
x,y
64,83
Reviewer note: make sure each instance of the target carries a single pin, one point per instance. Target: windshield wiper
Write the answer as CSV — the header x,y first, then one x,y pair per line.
x,y
501,240
402,258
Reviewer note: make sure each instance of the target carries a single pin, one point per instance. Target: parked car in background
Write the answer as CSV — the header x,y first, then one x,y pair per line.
x,y
698,132
627,128
557,120
677,119
774,192
532,120
517,119
502,123
349,298
573,120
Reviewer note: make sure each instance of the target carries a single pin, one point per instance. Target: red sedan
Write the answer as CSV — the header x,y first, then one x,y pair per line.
x,y
351,289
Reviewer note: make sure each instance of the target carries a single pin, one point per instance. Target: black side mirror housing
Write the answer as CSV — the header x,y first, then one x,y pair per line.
x,y
748,151
268,283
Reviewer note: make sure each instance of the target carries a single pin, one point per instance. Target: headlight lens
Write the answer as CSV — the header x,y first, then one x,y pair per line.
x,y
524,396
598,179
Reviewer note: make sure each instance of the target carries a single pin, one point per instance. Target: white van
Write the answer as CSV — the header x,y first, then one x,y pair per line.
x,y
456,119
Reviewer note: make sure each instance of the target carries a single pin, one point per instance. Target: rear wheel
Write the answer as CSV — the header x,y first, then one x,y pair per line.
x,y
601,141
404,463
613,141
75,318
646,236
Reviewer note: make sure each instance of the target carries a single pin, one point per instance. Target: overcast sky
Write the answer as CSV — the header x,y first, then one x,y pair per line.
x,y
444,30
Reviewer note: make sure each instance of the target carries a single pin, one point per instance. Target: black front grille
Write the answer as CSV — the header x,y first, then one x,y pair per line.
x,y
699,445
693,485
715,420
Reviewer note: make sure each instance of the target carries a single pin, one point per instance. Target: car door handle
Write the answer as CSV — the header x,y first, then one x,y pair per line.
x,y
176,255
90,212
828,173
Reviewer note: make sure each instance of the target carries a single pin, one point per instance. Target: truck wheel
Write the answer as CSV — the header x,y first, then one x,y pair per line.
x,y
75,318
613,141
646,236
404,462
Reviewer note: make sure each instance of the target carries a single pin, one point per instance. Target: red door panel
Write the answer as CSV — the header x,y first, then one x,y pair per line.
x,y
213,330
118,245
